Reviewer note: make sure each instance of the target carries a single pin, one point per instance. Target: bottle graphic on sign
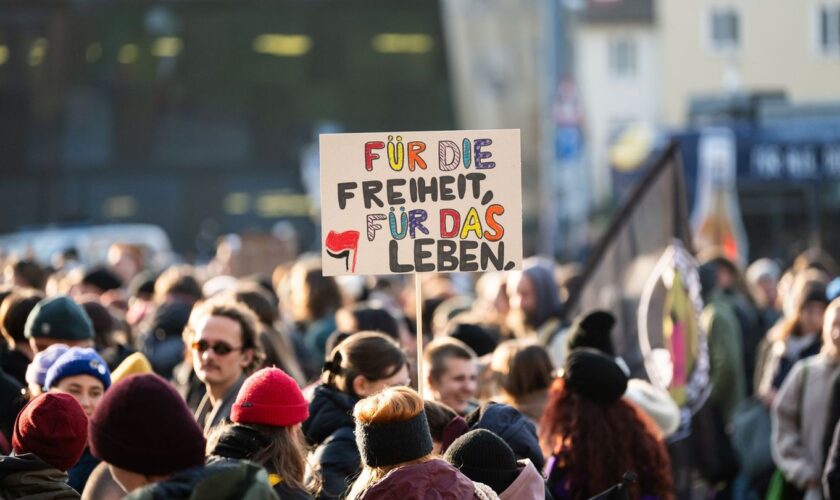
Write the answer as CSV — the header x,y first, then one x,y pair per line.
x,y
716,218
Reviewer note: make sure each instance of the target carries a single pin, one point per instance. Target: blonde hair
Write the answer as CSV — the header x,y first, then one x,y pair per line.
x,y
395,404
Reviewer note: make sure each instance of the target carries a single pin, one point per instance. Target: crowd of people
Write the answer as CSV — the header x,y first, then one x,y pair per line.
x,y
118,381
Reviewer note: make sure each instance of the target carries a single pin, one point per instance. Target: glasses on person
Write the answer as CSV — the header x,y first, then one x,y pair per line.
x,y
220,348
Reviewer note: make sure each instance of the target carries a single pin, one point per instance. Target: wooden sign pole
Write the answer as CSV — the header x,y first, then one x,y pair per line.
x,y
418,300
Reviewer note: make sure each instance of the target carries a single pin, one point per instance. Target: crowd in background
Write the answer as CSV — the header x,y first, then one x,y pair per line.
x,y
187,383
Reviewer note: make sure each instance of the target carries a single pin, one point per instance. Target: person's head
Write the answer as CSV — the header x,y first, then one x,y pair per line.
x,y
14,310
831,329
224,342
54,428
364,317
469,330
364,364
267,415
810,300
145,432
259,301
484,458
594,330
26,273
451,373
36,372
763,279
533,292
81,373
58,320
313,295
103,323
586,402
444,424
521,368
98,281
125,260
134,364
391,431
177,283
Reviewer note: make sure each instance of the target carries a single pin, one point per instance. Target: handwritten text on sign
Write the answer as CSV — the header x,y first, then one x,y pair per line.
x,y
402,202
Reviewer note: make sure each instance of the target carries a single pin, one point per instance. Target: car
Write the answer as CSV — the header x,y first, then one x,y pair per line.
x,y
91,242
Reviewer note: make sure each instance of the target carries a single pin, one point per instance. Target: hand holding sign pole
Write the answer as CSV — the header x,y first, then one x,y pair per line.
x,y
421,202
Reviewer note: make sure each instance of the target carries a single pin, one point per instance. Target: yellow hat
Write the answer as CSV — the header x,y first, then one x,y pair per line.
x,y
132,365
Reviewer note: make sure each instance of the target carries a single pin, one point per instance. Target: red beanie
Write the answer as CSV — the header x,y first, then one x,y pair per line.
x,y
52,426
270,397
143,425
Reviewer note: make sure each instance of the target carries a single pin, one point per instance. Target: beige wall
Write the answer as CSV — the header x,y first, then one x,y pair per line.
x,y
609,101
778,51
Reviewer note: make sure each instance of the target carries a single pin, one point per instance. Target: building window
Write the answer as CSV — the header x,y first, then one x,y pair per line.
x,y
724,29
828,29
622,57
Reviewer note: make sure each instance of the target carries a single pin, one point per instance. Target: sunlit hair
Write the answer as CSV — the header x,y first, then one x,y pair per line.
x,y
396,404
791,326
597,444
372,355
179,281
285,455
521,367
831,312
239,313
442,348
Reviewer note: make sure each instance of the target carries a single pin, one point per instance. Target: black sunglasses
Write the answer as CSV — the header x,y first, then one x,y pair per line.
x,y
220,348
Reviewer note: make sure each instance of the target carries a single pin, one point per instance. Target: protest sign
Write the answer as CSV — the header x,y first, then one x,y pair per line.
x,y
415,202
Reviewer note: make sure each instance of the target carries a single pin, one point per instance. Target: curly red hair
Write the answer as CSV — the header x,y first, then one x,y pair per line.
x,y
596,444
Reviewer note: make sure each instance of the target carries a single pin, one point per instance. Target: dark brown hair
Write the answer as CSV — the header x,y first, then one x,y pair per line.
x,y
521,367
438,415
180,281
30,273
284,456
370,354
13,313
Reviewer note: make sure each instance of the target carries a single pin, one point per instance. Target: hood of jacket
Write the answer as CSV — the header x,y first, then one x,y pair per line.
x,y
512,426
419,481
329,411
27,476
223,479
528,485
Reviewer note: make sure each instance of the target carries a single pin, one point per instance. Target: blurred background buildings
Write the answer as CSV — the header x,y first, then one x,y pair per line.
x,y
202,117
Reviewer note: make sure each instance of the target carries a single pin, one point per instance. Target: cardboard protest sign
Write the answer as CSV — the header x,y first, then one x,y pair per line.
x,y
406,202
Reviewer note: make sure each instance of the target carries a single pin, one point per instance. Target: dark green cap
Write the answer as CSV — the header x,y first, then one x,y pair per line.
x,y
59,317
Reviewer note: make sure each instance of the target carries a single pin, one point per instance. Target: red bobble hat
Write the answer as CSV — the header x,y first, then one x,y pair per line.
x,y
53,427
270,397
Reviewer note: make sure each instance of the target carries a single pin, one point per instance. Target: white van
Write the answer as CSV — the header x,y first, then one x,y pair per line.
x,y
90,242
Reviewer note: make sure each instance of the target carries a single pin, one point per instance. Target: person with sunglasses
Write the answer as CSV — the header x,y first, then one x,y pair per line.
x,y
225,350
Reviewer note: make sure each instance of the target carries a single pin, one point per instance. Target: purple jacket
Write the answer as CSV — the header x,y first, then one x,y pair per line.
x,y
432,480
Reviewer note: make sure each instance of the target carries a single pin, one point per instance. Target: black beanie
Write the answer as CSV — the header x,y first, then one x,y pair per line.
x,y
484,458
395,442
475,336
595,376
102,278
592,330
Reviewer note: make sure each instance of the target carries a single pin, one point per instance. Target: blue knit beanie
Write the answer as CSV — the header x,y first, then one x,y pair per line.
x,y
36,372
79,361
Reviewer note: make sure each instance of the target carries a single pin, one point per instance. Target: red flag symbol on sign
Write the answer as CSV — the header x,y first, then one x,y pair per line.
x,y
339,246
